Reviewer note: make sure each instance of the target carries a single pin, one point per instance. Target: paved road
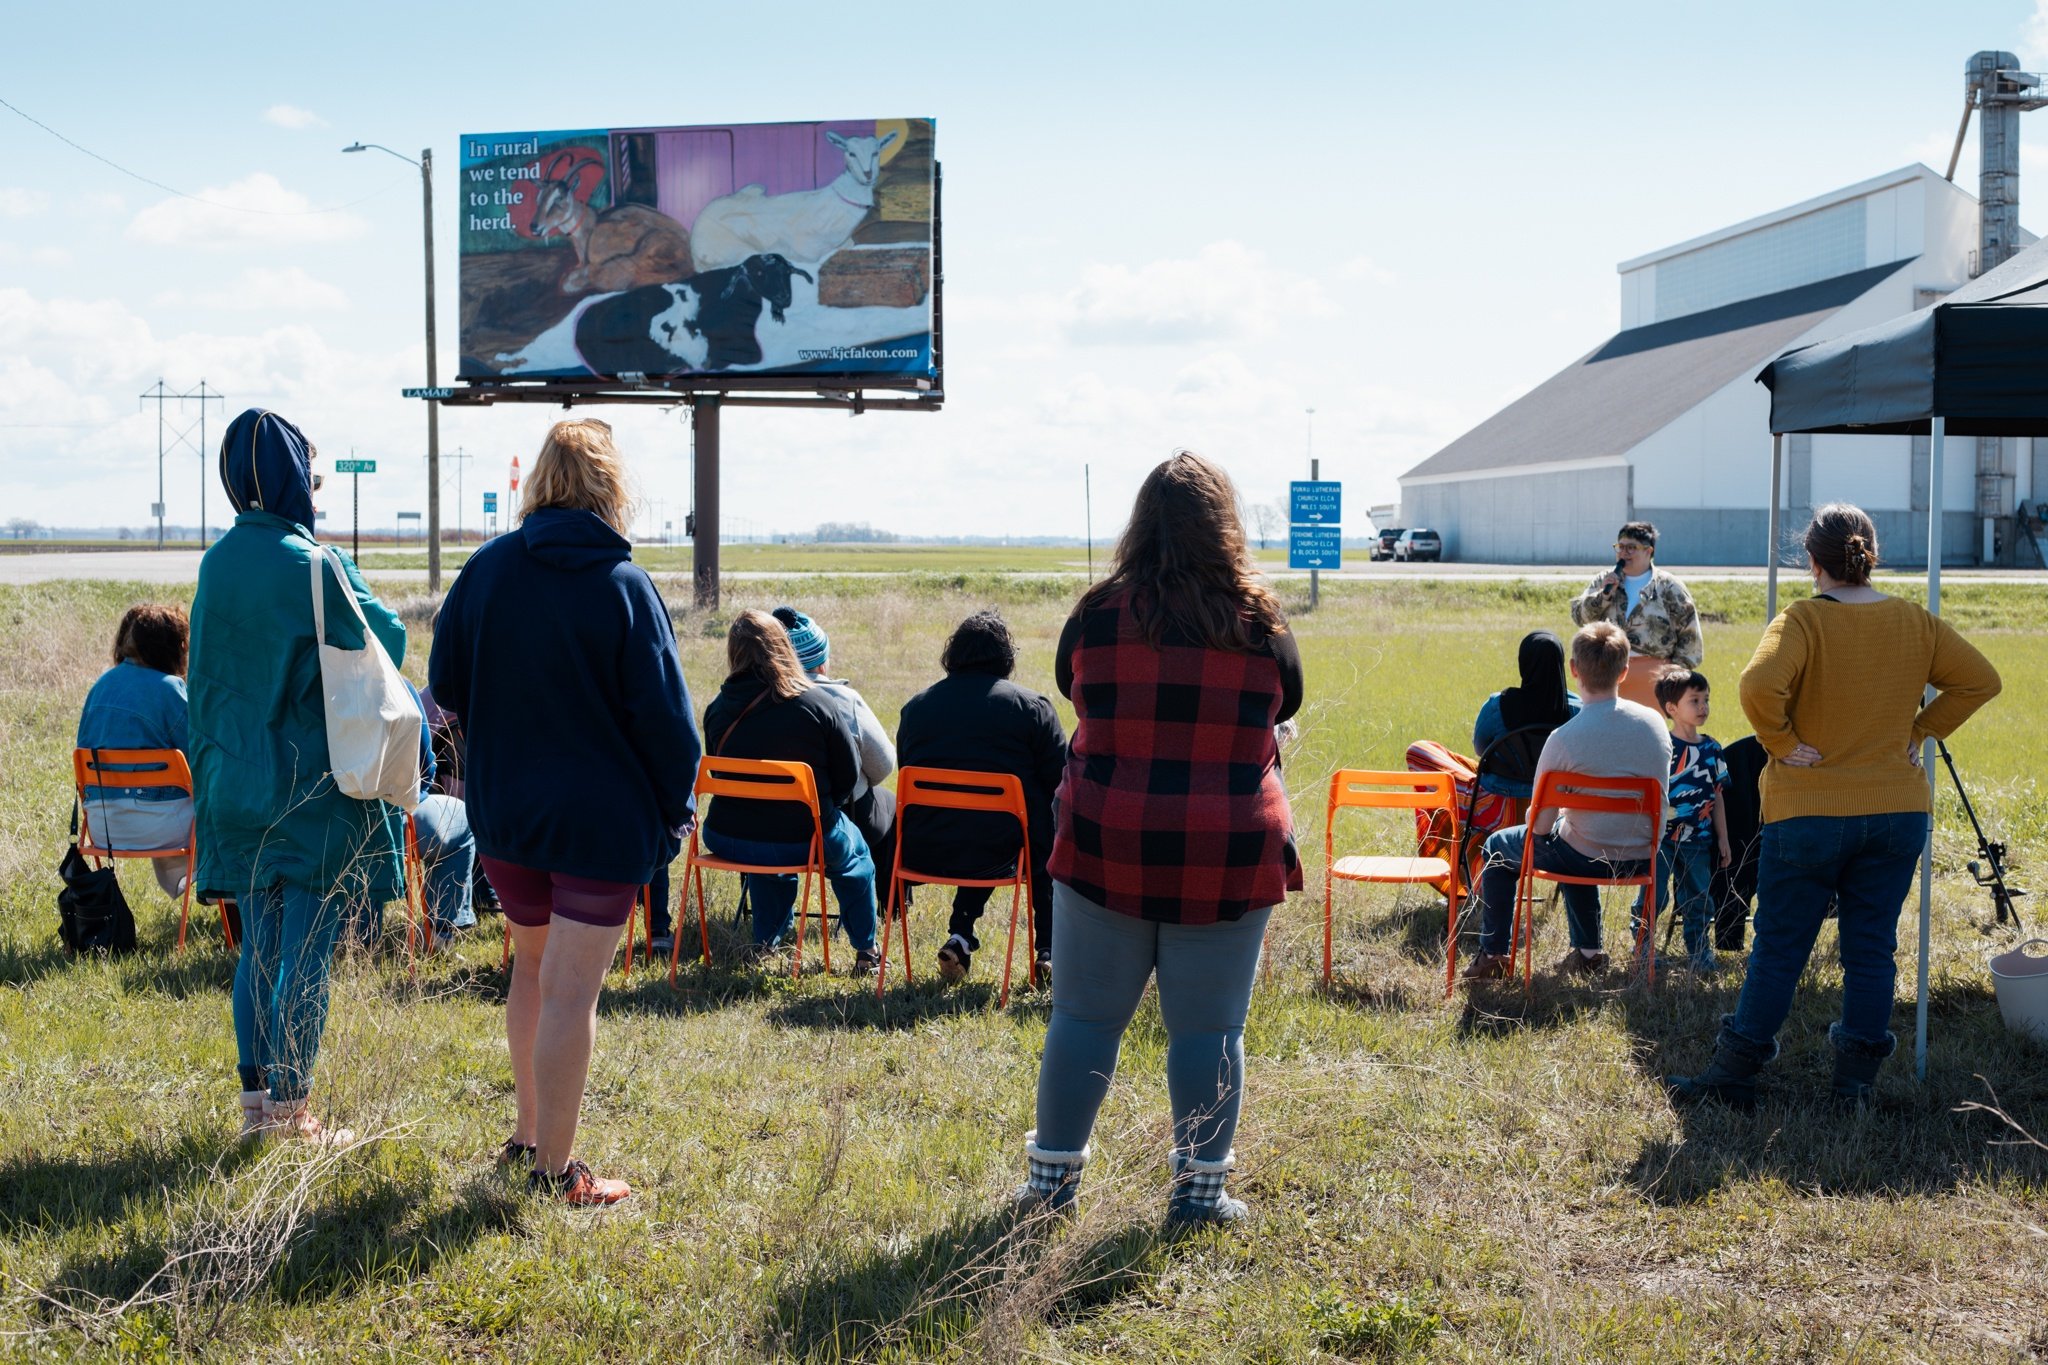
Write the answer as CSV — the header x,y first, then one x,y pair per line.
x,y
182,566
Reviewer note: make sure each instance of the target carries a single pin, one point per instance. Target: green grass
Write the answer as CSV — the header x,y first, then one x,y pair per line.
x,y
822,1177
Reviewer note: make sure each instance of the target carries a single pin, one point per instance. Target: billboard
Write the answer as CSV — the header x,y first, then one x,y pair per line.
x,y
770,249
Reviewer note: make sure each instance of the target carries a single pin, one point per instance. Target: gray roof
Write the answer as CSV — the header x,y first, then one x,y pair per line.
x,y
1643,379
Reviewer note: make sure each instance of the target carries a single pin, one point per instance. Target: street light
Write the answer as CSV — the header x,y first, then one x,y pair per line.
x,y
426,168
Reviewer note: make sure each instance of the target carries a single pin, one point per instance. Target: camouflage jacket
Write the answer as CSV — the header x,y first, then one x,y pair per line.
x,y
1664,624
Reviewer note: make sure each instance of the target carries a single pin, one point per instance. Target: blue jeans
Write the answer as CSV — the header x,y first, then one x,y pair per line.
x,y
448,853
1503,850
280,1000
1101,961
847,864
1865,864
1685,883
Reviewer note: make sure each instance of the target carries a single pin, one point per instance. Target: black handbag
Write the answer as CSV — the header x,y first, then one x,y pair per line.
x,y
92,914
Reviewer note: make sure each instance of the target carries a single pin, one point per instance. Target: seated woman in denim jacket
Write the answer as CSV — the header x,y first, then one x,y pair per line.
x,y
139,703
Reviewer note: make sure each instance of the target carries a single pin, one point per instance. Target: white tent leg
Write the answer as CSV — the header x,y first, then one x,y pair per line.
x,y
1934,453
1771,549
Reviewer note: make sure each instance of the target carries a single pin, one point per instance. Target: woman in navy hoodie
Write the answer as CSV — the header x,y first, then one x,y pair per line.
x,y
554,653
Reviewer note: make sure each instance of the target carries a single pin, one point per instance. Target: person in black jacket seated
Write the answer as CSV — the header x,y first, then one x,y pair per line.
x,y
769,709
975,718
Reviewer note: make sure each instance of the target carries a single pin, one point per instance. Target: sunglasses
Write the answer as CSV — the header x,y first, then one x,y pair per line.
x,y
317,481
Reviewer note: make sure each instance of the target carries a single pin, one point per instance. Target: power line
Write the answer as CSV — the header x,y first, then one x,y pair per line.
x,y
180,194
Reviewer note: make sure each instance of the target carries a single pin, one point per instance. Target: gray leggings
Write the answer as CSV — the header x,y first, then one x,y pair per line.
x,y
1100,963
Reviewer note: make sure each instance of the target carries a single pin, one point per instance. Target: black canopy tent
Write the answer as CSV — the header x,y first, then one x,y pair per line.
x,y
1972,364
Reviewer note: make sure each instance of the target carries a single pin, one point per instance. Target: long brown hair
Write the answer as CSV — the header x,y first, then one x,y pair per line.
x,y
1183,562
756,646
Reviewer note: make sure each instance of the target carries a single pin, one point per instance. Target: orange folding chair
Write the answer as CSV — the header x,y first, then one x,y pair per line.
x,y
962,789
1377,790
646,915
157,768
757,779
1563,791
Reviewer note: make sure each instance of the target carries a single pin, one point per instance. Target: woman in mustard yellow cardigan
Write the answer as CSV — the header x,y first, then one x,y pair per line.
x,y
1836,695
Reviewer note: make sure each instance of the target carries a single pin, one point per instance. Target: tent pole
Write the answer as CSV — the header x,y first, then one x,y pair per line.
x,y
1934,453
1771,549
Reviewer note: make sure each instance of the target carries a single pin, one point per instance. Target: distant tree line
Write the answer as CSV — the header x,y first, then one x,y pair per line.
x,y
852,533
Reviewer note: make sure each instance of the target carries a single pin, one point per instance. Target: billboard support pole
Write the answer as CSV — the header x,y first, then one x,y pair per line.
x,y
704,543
355,517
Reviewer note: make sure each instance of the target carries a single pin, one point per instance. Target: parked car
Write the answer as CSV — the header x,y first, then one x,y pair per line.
x,y
1383,544
1418,543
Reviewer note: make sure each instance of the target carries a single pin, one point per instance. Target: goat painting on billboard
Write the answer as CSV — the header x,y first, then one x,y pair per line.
x,y
772,248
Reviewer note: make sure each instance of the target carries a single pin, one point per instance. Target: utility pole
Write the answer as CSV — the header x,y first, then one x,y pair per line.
x,y
1088,505
158,394
434,490
1315,584
203,396
181,436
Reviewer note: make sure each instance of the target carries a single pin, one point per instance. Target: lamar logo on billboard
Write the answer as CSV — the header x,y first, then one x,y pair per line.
x,y
765,248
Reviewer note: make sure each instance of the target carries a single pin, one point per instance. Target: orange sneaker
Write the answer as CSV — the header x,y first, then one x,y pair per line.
x,y
577,1186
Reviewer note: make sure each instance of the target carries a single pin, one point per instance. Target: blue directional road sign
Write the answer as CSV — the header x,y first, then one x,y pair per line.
x,y
490,504
1315,547
1315,502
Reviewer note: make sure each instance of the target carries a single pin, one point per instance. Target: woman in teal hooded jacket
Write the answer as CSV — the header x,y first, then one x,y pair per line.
x,y
274,833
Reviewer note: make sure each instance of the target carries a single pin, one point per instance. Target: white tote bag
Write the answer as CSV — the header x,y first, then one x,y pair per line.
x,y
373,725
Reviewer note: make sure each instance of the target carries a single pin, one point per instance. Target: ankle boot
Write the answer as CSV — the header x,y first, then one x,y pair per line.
x,y
1856,1065
1198,1196
1053,1180
255,1119
1730,1077
292,1119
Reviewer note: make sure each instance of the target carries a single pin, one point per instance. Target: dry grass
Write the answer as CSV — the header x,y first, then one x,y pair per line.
x,y
823,1177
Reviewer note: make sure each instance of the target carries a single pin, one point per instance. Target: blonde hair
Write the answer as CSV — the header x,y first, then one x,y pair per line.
x,y
756,646
1601,653
579,468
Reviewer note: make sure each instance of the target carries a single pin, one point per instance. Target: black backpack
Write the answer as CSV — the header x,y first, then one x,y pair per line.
x,y
92,914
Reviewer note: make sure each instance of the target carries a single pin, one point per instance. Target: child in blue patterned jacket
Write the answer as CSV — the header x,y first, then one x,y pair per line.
x,y
1696,832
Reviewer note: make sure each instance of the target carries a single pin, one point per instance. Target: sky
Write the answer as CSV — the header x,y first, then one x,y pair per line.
x,y
1166,225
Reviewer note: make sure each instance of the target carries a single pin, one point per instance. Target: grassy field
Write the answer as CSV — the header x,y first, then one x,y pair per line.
x,y
823,1177
843,559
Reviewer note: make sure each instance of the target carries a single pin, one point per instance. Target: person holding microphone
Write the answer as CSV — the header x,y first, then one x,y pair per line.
x,y
1652,608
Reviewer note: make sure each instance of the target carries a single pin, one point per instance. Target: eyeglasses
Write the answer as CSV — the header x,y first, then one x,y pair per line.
x,y
1622,547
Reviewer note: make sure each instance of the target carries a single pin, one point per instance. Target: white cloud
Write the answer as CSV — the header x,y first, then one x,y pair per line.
x,y
289,290
74,452
21,203
1366,269
2033,43
256,208
293,117
104,202
50,255
1225,290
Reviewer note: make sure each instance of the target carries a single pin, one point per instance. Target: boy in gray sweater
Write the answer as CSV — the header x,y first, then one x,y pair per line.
x,y
1608,738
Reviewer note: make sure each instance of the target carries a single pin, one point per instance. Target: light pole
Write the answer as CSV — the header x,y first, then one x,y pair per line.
x,y
426,167
1315,584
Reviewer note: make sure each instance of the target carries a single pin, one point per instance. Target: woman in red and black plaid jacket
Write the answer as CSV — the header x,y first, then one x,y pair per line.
x,y
1174,838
